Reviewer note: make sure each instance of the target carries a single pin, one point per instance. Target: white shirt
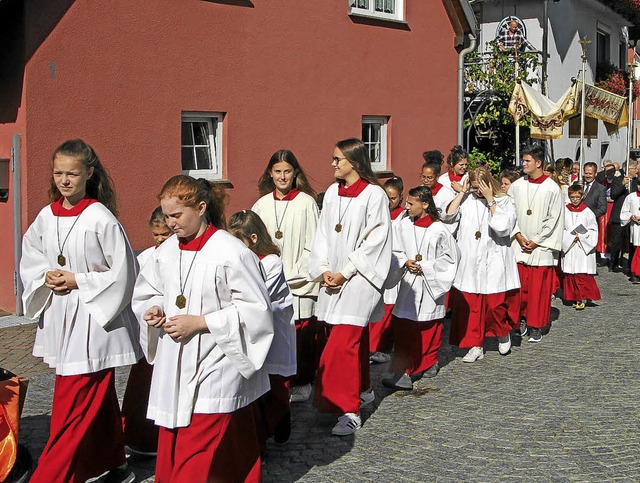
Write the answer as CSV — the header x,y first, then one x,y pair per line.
x,y
545,223
422,297
219,371
631,206
297,220
92,328
361,252
487,264
580,256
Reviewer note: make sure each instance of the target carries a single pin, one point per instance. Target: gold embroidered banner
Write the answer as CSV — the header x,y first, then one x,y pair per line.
x,y
604,105
547,117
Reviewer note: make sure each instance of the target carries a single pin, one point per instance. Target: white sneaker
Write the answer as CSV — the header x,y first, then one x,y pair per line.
x,y
504,346
347,424
298,394
475,354
367,397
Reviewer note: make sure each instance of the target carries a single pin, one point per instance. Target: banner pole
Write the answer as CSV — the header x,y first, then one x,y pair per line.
x,y
584,42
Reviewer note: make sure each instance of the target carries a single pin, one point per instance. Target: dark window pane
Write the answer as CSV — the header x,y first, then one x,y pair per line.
x,y
187,134
375,132
201,133
203,158
187,159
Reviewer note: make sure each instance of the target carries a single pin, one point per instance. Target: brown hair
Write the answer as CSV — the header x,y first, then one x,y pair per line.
x,y
357,154
190,192
157,218
425,195
483,174
99,185
245,223
575,188
300,181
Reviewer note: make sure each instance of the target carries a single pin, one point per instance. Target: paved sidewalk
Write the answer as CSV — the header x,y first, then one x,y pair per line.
x,y
566,409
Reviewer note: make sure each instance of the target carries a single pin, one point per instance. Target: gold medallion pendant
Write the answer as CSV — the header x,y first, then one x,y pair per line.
x,y
529,212
418,258
339,227
62,261
278,234
181,301
478,235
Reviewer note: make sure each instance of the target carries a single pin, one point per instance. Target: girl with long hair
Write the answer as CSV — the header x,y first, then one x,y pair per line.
x,y
273,408
487,285
78,272
206,328
458,161
289,210
381,332
351,256
427,257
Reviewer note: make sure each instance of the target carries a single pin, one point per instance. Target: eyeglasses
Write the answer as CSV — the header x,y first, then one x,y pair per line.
x,y
427,178
336,159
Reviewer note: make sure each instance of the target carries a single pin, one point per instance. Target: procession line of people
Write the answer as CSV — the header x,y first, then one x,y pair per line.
x,y
228,323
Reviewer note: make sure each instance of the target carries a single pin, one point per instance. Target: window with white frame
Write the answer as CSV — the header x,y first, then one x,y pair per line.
x,y
383,9
374,137
202,145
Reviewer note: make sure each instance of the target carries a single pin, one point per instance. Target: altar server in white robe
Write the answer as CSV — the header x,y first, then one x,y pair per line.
x,y
428,256
457,161
273,409
351,255
442,195
630,215
381,332
207,329
289,210
579,242
140,434
536,240
487,282
78,272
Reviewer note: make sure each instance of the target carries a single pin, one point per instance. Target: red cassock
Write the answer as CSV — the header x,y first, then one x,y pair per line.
x,y
416,345
343,372
381,333
478,315
537,286
271,408
138,430
214,448
635,263
603,230
580,286
85,438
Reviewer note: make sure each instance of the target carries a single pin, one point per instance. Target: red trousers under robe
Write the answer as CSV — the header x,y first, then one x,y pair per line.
x,y
220,448
416,345
537,285
85,438
306,351
635,263
580,286
138,430
381,333
272,408
477,315
343,372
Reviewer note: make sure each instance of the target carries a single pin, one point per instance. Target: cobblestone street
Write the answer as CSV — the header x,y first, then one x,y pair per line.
x,y
565,409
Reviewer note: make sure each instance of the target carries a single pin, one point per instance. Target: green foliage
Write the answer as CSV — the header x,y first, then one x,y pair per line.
x,y
493,74
479,158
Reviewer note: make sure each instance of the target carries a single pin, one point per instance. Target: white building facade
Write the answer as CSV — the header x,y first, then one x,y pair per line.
x,y
568,22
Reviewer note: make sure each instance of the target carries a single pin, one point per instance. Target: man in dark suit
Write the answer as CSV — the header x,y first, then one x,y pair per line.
x,y
616,234
595,195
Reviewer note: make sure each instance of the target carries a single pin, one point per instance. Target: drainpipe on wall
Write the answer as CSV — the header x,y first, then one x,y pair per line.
x,y
17,221
461,56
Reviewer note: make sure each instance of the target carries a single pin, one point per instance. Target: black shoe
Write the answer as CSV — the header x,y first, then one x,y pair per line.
x,y
617,269
432,371
122,474
398,381
536,335
524,330
282,432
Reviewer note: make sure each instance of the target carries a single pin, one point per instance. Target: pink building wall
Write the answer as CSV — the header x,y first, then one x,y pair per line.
x,y
288,74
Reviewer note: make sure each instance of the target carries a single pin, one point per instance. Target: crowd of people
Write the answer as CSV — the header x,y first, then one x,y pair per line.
x,y
227,322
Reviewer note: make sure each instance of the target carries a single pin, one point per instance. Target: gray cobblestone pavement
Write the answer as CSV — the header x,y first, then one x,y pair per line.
x,y
565,409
